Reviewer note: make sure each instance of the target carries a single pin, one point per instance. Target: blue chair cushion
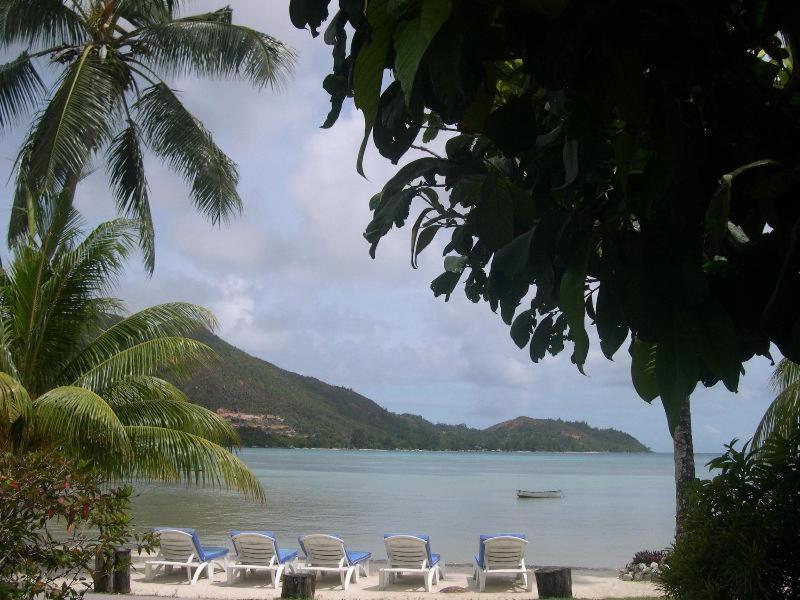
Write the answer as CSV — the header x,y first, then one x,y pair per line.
x,y
283,555
420,536
356,556
212,552
203,553
286,555
488,536
353,556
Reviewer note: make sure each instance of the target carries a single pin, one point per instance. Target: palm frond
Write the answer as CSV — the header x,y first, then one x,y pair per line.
x,y
40,22
783,414
21,89
75,122
175,319
80,421
176,355
142,402
7,364
169,455
128,180
145,12
210,45
181,140
14,400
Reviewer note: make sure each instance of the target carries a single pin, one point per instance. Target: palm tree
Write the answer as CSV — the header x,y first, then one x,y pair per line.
x,y
110,96
76,378
783,415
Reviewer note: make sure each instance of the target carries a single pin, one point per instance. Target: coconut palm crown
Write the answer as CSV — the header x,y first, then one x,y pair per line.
x,y
110,96
76,378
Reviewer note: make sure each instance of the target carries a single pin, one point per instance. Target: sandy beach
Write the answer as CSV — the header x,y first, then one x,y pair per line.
x,y
586,583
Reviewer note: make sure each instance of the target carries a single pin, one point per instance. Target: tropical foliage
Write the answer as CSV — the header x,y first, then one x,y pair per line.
x,y
741,529
76,378
110,97
56,515
783,414
630,165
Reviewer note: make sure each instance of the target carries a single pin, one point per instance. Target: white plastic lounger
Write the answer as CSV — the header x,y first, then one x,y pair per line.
x,y
258,551
181,548
327,553
410,554
502,554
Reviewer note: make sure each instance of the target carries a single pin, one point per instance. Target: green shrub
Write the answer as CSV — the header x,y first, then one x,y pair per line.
x,y
55,517
742,529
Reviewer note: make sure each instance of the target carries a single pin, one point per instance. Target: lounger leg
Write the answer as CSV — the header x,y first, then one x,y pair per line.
x,y
189,574
346,575
529,581
366,568
481,581
429,579
382,579
277,576
441,572
198,572
230,575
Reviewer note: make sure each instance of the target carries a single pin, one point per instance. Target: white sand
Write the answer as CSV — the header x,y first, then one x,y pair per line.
x,y
586,583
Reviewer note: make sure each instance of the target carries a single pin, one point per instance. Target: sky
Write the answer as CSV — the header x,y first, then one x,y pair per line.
x,y
291,280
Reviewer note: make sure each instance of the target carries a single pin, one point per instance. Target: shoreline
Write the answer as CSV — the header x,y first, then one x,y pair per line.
x,y
587,583
475,451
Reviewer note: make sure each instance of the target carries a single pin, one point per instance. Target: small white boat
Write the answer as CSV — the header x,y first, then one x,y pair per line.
x,y
540,494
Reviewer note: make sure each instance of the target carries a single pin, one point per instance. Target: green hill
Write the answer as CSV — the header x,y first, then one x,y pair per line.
x,y
273,407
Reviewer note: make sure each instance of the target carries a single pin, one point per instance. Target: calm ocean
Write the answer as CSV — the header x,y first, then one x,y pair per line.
x,y
613,504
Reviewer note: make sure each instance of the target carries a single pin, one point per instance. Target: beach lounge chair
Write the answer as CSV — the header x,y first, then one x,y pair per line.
x,y
181,548
327,553
258,551
502,554
410,554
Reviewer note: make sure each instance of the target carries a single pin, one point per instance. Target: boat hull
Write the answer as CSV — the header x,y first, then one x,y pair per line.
x,y
543,494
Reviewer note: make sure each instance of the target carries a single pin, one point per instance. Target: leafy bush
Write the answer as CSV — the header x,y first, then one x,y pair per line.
x,y
648,556
55,517
741,533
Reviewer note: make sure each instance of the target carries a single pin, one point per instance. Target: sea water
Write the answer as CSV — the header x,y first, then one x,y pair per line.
x,y
612,504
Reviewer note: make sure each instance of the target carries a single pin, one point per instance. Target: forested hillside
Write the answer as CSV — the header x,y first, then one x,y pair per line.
x,y
274,407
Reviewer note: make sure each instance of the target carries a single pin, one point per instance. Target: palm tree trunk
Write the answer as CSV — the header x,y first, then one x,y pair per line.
x,y
684,463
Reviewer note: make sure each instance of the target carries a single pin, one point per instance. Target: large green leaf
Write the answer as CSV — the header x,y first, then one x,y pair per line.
x,y
40,22
571,302
187,147
493,216
128,180
168,455
782,417
81,421
677,373
77,120
611,324
208,46
412,38
21,88
173,354
643,369
174,319
368,70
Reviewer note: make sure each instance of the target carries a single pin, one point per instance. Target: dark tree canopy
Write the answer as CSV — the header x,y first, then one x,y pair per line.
x,y
633,166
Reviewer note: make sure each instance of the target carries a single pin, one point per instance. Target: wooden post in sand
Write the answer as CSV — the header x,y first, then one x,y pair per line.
x,y
101,576
122,571
299,585
554,582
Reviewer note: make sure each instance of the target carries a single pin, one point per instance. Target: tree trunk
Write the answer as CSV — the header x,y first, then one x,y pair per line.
x,y
101,576
684,463
299,585
122,571
554,582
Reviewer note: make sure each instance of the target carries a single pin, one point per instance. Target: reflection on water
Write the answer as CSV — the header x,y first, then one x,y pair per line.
x,y
613,504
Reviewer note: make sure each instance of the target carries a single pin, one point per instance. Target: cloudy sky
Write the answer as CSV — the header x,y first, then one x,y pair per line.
x,y
291,280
